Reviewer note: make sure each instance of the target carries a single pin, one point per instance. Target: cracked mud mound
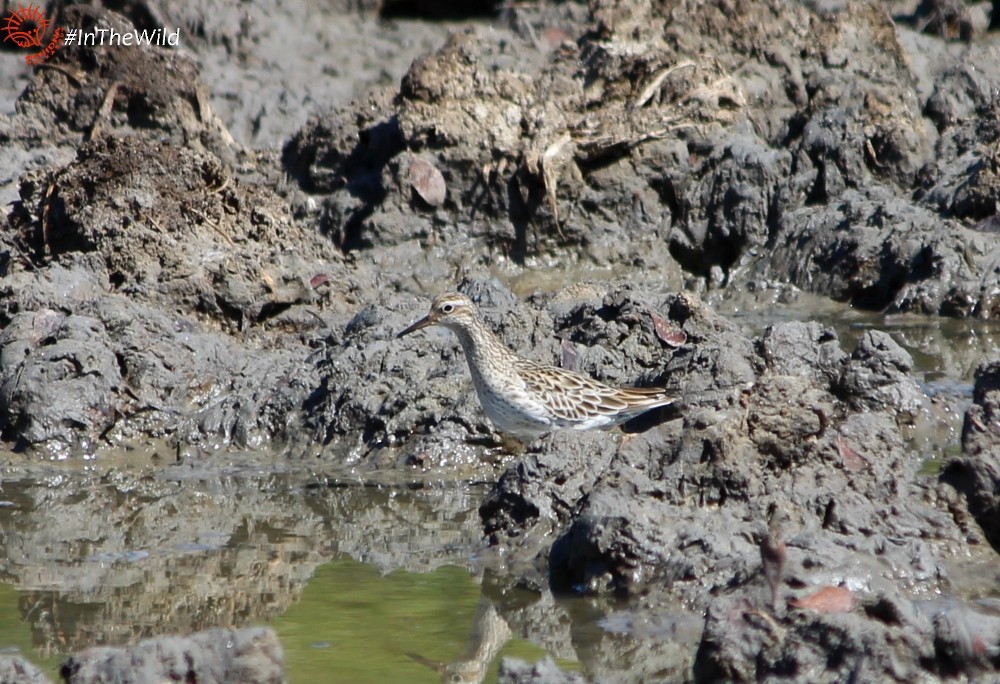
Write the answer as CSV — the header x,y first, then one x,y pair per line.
x,y
807,149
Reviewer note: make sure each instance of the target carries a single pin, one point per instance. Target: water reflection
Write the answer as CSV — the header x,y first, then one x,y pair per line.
x,y
112,558
361,583
355,625
490,632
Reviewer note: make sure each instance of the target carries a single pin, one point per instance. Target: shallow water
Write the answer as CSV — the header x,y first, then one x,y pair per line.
x,y
361,583
354,624
945,353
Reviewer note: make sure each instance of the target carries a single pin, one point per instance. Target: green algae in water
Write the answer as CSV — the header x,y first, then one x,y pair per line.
x,y
354,625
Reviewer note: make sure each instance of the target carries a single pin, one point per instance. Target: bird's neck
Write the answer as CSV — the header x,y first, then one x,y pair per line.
x,y
483,349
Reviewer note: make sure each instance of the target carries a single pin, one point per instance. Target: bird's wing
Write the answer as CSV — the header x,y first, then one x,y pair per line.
x,y
574,397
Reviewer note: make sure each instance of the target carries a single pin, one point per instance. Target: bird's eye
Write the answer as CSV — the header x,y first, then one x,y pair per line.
x,y
448,308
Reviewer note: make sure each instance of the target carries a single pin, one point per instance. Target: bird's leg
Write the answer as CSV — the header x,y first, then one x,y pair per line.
x,y
502,447
511,445
624,437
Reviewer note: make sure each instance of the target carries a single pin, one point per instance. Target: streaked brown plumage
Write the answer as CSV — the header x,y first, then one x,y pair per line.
x,y
526,399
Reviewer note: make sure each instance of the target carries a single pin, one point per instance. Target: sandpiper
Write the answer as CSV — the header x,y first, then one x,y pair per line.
x,y
525,399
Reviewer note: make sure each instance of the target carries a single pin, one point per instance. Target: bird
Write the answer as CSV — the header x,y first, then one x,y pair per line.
x,y
525,399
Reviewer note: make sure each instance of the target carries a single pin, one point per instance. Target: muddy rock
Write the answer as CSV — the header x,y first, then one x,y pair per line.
x,y
170,258
351,157
663,507
959,179
541,494
896,256
59,379
778,160
248,656
883,637
802,349
176,224
151,90
878,377
515,671
15,669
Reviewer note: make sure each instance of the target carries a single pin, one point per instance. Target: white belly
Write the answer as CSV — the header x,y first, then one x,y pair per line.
x,y
525,420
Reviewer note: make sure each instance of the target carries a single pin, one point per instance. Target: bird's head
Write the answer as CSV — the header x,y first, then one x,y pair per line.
x,y
452,310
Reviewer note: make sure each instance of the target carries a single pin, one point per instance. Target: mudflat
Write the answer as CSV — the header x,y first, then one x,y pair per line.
x,y
783,213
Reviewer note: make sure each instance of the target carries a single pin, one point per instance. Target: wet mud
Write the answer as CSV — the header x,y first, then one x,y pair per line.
x,y
220,268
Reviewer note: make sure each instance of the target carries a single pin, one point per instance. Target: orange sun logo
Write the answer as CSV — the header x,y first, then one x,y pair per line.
x,y
26,27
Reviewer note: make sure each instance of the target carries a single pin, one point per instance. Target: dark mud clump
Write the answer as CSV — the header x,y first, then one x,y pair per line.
x,y
251,655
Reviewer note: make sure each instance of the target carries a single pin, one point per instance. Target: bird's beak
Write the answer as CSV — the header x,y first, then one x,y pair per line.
x,y
422,323
433,664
